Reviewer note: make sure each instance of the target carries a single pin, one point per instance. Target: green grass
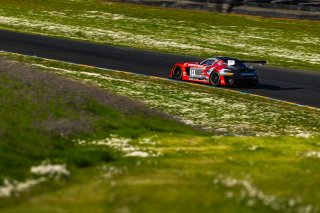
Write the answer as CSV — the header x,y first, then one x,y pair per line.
x,y
218,110
42,117
286,43
187,170
186,179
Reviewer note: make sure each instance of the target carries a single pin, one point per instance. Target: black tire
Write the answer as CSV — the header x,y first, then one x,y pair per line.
x,y
215,79
255,83
177,73
231,82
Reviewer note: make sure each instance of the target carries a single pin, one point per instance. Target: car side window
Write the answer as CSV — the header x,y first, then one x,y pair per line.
x,y
208,62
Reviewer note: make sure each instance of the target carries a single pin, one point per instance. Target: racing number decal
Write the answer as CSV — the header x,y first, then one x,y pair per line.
x,y
192,72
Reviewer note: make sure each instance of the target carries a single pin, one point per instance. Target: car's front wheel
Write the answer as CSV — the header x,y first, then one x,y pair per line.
x,y
177,73
215,79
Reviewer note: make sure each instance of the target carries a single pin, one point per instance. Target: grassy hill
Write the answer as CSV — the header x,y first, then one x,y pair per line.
x,y
71,146
82,139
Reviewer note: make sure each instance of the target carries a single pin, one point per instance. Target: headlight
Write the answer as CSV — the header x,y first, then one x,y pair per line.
x,y
226,72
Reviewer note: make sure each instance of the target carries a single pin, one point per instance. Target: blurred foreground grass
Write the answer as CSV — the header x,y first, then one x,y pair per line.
x,y
154,164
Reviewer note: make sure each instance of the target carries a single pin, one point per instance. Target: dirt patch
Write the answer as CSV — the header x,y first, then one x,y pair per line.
x,y
49,89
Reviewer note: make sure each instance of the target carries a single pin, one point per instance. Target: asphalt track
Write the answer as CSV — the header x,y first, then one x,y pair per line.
x,y
302,87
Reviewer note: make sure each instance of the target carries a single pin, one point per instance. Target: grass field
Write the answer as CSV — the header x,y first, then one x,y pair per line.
x,y
82,139
213,109
287,43
53,128
105,156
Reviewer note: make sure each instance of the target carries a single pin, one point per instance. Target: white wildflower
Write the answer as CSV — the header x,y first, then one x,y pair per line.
x,y
312,154
148,141
13,187
124,145
253,148
51,170
229,194
138,154
45,171
303,135
251,195
23,186
110,171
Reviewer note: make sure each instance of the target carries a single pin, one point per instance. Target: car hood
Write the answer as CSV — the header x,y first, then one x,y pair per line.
x,y
193,64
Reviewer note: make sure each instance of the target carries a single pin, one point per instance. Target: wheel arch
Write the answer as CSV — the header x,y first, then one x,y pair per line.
x,y
214,82
174,69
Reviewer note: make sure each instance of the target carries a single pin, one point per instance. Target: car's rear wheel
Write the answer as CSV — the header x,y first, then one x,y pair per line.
x,y
255,83
177,73
231,82
215,79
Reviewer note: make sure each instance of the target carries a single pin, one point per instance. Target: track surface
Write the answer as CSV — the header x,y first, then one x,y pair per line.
x,y
301,87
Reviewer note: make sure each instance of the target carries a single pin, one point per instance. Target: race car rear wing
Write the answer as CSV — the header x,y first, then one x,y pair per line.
x,y
233,62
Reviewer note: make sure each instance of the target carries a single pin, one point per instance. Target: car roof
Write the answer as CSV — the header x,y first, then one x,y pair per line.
x,y
225,59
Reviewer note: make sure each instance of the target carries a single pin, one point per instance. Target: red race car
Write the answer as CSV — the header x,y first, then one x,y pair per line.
x,y
218,71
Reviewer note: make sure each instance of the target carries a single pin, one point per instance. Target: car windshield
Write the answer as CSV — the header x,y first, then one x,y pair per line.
x,y
239,64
